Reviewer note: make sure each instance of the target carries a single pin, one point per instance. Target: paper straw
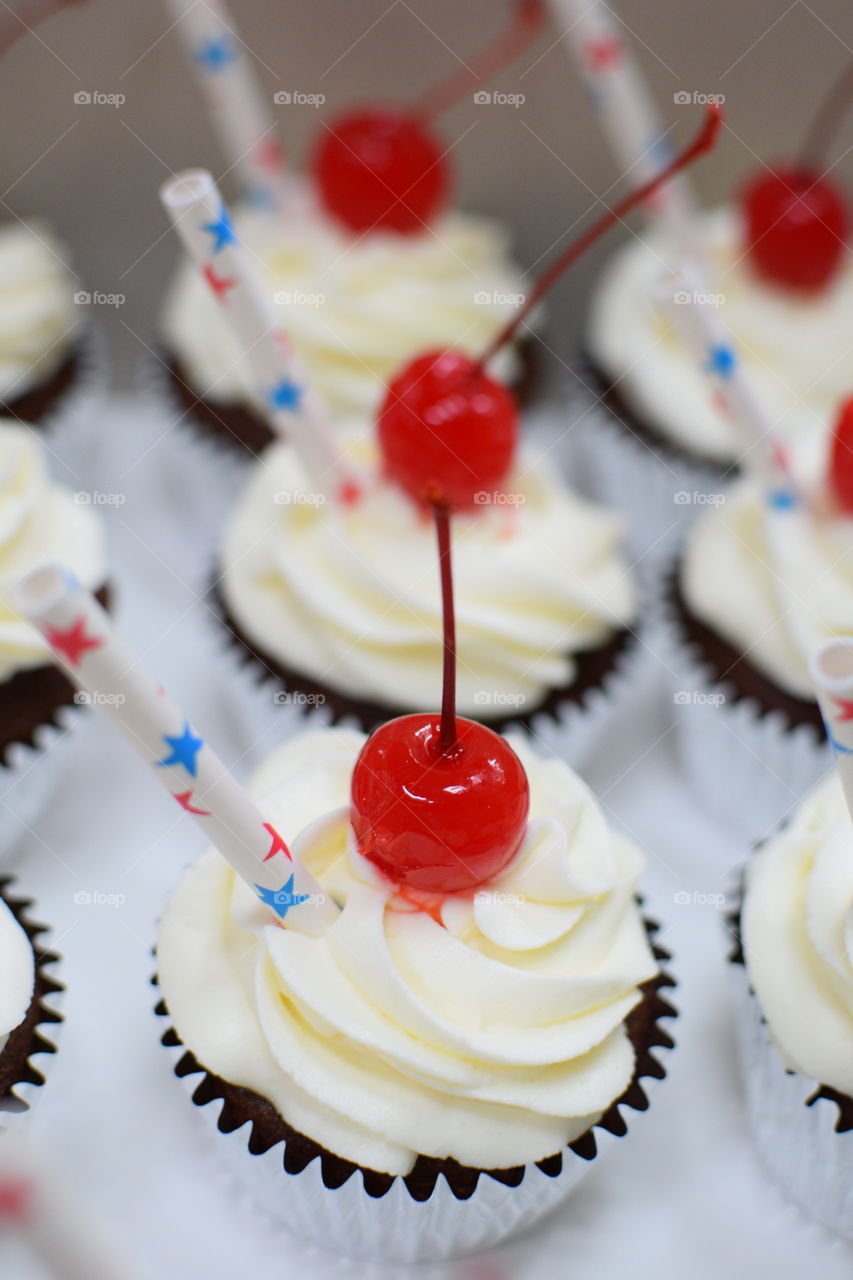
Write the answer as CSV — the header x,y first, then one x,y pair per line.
x,y
202,221
240,115
97,660
832,675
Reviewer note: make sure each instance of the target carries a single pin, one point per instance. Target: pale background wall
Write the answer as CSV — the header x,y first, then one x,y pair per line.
x,y
95,170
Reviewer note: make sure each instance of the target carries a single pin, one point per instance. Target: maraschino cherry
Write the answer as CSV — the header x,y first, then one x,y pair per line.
x,y
382,168
445,426
796,219
841,459
439,803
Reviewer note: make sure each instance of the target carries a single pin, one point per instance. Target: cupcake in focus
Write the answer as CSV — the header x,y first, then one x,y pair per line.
x,y
25,1018
435,1070
793,979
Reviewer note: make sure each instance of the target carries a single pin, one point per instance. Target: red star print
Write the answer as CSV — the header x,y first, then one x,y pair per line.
x,y
15,1200
219,284
74,642
604,53
270,155
278,845
348,493
846,705
185,800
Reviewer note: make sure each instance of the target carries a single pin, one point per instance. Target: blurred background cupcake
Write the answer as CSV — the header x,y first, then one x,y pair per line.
x,y
27,990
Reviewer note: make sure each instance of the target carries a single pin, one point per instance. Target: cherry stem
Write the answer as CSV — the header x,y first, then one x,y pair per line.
x,y
447,736
703,142
527,21
827,117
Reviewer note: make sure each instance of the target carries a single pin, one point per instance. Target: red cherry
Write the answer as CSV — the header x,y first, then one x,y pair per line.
x,y
446,428
438,821
841,459
796,227
380,168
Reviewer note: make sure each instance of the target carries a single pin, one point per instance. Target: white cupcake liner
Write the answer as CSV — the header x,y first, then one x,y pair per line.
x,y
745,765
29,779
659,493
797,1143
395,1227
15,1110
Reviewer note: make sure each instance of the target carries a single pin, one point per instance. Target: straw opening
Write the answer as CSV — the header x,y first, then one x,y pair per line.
x,y
832,665
186,188
41,589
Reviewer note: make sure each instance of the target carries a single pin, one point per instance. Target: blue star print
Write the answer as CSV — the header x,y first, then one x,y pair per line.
x,y
216,53
281,900
782,500
221,230
722,360
184,750
286,395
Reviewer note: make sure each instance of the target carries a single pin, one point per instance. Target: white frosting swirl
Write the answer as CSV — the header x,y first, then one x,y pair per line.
x,y
356,308
37,312
797,926
40,522
352,598
775,609
17,973
495,1038
796,348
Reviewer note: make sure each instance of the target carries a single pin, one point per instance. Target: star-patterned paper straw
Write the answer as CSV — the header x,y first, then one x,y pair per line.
x,y
202,221
832,676
242,119
82,637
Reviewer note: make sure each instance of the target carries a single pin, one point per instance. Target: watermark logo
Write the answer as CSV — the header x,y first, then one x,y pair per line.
x,y
684,498
83,298
95,98
684,297
498,298
683,98
95,898
695,698
296,298
298,498
90,698
498,498
95,498
497,98
297,98
498,698
298,698
695,898
488,898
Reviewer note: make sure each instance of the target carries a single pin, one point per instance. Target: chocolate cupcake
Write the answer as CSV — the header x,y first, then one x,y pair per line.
x,y
434,1071
792,975
39,521
27,990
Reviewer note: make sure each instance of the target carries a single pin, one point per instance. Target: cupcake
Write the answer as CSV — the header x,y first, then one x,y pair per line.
x,y
38,520
341,604
435,1070
793,979
43,355
25,986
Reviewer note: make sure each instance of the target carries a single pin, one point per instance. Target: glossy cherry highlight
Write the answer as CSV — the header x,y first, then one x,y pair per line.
x,y
448,429
382,168
841,459
439,804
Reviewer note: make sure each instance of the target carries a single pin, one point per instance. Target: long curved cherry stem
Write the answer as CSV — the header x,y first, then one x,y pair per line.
x,y
447,736
703,142
527,21
829,113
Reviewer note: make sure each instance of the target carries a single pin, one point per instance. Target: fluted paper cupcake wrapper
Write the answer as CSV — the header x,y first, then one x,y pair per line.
x,y
71,426
742,763
659,493
30,777
798,1142
15,1107
395,1227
